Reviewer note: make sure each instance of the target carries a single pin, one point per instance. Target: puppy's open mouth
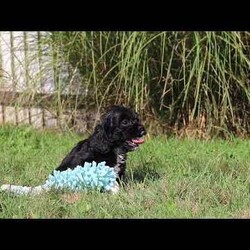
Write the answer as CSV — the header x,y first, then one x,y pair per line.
x,y
135,142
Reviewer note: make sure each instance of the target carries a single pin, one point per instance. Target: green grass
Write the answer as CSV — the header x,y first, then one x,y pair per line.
x,y
167,178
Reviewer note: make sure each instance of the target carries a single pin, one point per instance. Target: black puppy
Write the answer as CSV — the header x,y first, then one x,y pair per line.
x,y
119,132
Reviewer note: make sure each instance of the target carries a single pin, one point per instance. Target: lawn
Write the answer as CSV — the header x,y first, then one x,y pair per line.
x,y
166,178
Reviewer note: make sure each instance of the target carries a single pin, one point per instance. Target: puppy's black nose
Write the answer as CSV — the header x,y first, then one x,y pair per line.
x,y
142,130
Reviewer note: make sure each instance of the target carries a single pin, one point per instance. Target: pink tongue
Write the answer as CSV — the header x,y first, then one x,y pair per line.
x,y
138,140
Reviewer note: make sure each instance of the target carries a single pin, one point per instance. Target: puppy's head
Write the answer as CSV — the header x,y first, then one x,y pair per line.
x,y
123,127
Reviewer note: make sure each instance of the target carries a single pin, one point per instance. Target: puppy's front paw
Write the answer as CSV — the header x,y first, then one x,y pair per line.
x,y
115,188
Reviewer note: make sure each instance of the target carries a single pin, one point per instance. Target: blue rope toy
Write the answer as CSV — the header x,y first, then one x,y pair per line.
x,y
91,176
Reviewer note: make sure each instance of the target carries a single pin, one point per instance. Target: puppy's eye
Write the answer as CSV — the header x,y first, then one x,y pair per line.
x,y
125,122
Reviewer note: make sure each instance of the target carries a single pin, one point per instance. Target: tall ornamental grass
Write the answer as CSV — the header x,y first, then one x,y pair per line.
x,y
179,81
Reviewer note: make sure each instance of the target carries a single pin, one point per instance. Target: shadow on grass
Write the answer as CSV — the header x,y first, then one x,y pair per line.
x,y
142,173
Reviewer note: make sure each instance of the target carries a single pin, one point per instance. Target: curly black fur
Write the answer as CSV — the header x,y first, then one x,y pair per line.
x,y
110,141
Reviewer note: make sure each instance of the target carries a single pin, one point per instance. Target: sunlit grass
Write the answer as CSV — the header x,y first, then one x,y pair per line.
x,y
166,178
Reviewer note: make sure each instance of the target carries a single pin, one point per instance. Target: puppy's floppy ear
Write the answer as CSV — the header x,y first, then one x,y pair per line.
x,y
99,143
108,124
